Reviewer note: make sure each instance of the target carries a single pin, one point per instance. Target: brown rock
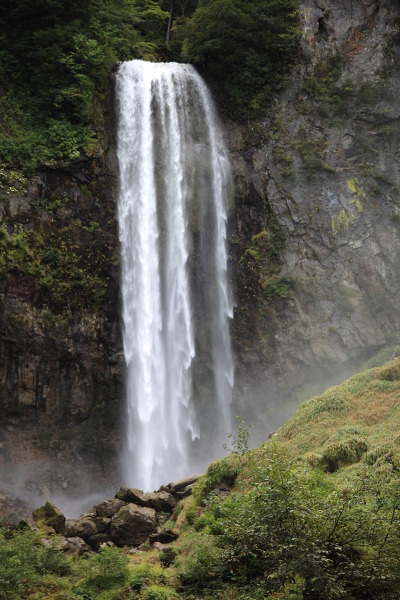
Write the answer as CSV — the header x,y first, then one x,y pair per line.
x,y
167,554
161,501
95,541
83,528
132,525
102,524
75,546
163,537
177,486
108,508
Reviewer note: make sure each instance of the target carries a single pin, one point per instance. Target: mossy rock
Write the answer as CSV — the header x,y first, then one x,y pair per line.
x,y
390,372
313,459
51,516
346,452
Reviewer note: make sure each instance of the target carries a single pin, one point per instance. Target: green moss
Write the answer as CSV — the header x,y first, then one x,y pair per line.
x,y
284,161
69,268
390,372
355,187
343,453
321,88
278,285
310,147
223,470
342,221
50,515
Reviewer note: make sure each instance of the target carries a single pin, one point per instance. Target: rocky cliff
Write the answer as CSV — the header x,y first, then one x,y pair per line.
x,y
61,360
314,251
315,234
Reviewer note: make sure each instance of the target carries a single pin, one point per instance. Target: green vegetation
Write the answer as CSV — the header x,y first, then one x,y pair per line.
x,y
284,161
244,47
324,89
313,513
260,267
57,59
310,147
55,66
25,561
69,270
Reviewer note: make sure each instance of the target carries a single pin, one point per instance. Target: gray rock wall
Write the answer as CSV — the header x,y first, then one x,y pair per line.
x,y
316,246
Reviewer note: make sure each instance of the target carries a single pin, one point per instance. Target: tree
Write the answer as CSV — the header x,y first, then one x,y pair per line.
x,y
245,47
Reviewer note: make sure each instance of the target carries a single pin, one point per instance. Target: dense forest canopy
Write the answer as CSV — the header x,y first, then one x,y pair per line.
x,y
56,59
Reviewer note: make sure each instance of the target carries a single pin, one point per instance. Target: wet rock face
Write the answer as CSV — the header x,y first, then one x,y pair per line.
x,y
61,357
316,253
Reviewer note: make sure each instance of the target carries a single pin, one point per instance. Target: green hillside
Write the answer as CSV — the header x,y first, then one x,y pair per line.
x,y
313,513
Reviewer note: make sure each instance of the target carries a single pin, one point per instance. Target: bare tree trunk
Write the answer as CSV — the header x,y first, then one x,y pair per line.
x,y
169,23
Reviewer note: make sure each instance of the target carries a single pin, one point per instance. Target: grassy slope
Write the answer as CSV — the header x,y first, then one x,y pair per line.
x,y
364,408
346,444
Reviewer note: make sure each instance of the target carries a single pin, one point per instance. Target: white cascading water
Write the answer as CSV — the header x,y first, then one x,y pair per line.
x,y
174,182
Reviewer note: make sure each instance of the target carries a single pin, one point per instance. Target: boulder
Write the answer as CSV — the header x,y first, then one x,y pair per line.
x,y
167,554
95,541
132,495
132,525
102,524
163,537
178,486
108,508
82,527
51,516
161,501
185,492
108,544
75,546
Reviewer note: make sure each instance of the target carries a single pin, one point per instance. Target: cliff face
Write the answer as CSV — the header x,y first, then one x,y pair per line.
x,y
316,225
61,360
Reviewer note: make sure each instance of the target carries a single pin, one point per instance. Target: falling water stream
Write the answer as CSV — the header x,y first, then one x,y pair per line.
x,y
174,183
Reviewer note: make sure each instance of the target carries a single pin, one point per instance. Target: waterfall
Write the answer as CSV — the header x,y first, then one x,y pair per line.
x,y
174,182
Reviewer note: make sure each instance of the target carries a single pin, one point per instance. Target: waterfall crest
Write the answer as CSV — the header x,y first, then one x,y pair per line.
x,y
174,182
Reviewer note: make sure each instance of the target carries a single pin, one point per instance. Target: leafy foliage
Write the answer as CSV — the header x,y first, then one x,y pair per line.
x,y
104,570
293,524
57,58
23,558
246,47
55,64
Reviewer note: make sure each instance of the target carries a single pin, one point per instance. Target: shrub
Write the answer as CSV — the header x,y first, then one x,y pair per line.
x,y
104,570
291,524
22,558
158,592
